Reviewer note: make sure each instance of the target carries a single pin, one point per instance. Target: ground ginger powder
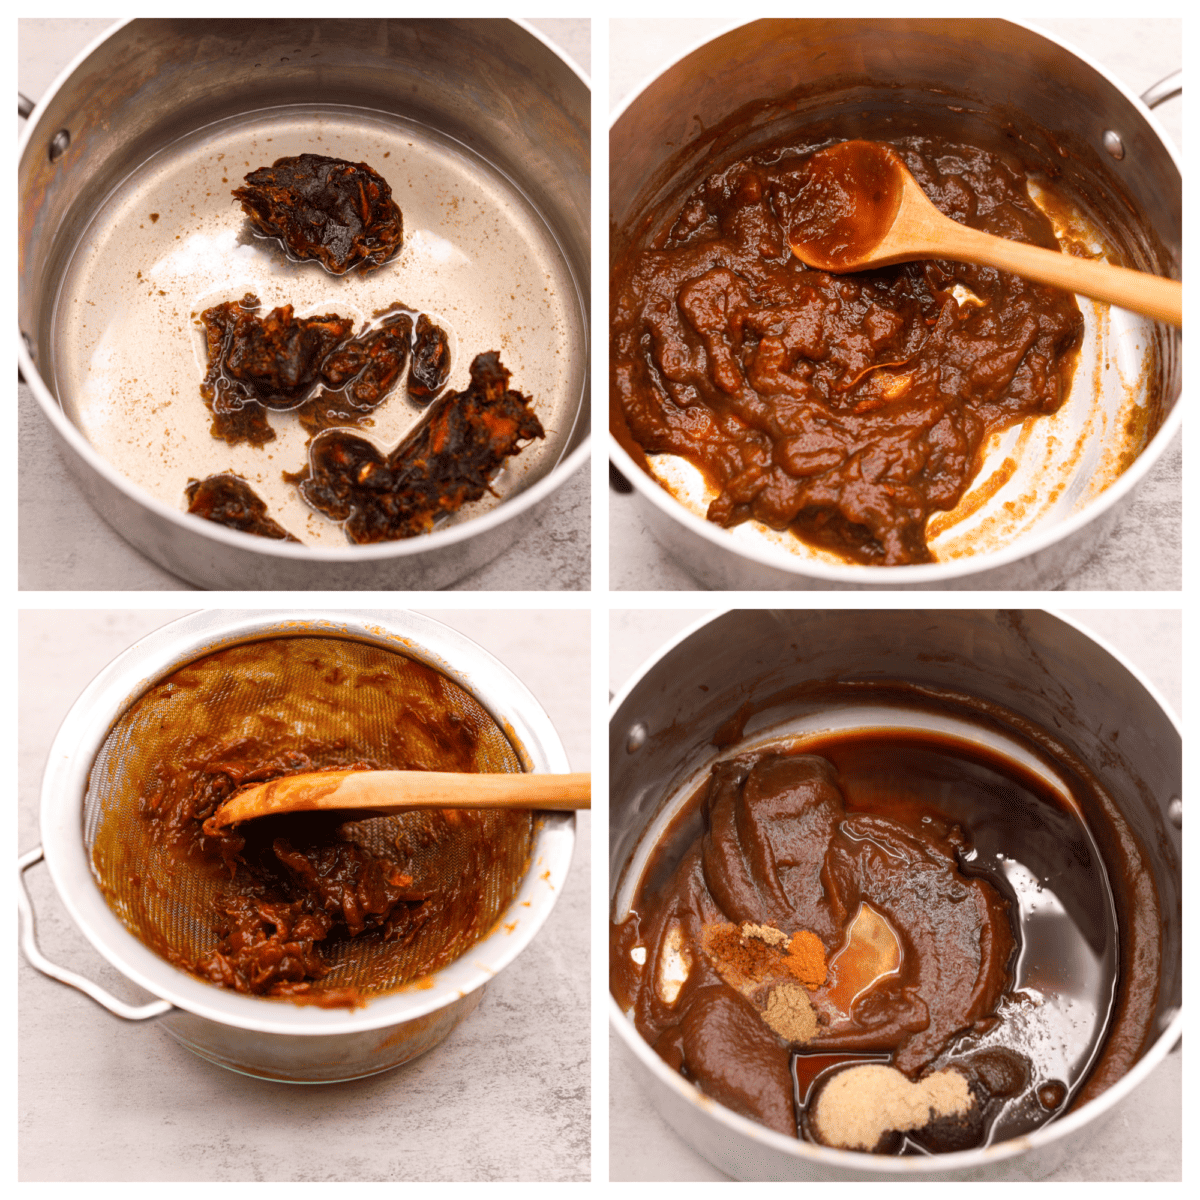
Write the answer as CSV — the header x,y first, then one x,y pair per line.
x,y
765,933
790,1014
859,1105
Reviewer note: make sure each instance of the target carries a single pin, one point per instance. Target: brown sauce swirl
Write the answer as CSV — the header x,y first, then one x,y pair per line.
x,y
970,922
779,848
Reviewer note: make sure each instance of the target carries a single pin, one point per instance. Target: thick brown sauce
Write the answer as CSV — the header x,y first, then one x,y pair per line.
x,y
799,841
845,408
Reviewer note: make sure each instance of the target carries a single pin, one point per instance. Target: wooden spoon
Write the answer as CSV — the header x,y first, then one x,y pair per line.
x,y
386,792
859,207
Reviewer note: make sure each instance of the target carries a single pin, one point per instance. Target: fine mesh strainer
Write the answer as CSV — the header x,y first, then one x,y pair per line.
x,y
264,1036
327,702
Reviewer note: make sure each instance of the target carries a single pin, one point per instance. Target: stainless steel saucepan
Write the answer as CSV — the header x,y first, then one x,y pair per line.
x,y
128,230
1039,669
1032,525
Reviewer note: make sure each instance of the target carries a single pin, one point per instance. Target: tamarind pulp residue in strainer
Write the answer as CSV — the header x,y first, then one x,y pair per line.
x,y
280,706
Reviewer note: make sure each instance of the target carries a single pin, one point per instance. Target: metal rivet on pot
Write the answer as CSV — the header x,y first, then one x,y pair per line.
x,y
59,143
1175,812
637,738
1113,144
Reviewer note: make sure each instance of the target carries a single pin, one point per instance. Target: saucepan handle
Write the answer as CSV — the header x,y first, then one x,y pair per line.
x,y
1164,89
39,962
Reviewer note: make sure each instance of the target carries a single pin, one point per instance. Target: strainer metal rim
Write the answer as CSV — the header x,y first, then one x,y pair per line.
x,y
154,657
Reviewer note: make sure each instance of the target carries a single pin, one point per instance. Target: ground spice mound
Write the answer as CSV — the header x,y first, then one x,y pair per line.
x,y
861,1104
752,954
790,1014
740,960
806,958
764,933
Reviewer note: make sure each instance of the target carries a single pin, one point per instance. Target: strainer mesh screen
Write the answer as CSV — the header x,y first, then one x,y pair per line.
x,y
301,703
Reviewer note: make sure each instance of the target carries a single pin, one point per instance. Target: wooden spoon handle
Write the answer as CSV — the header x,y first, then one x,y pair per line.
x,y
1152,295
394,791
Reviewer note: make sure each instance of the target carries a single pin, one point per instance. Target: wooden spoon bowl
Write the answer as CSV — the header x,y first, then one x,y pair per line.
x,y
859,207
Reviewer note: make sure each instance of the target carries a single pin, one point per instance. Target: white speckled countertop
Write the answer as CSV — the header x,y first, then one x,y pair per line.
x,y
506,1096
1144,550
64,543
1143,1141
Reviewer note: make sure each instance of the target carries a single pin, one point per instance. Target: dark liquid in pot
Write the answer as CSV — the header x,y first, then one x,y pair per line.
x,y
1038,1030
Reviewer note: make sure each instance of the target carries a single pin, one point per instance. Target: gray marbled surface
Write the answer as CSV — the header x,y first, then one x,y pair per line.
x,y
506,1096
1143,1141
64,544
1145,549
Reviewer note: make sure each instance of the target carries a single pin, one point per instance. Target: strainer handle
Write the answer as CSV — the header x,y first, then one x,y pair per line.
x,y
39,962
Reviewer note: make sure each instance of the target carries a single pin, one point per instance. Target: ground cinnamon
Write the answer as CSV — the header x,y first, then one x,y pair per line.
x,y
754,953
